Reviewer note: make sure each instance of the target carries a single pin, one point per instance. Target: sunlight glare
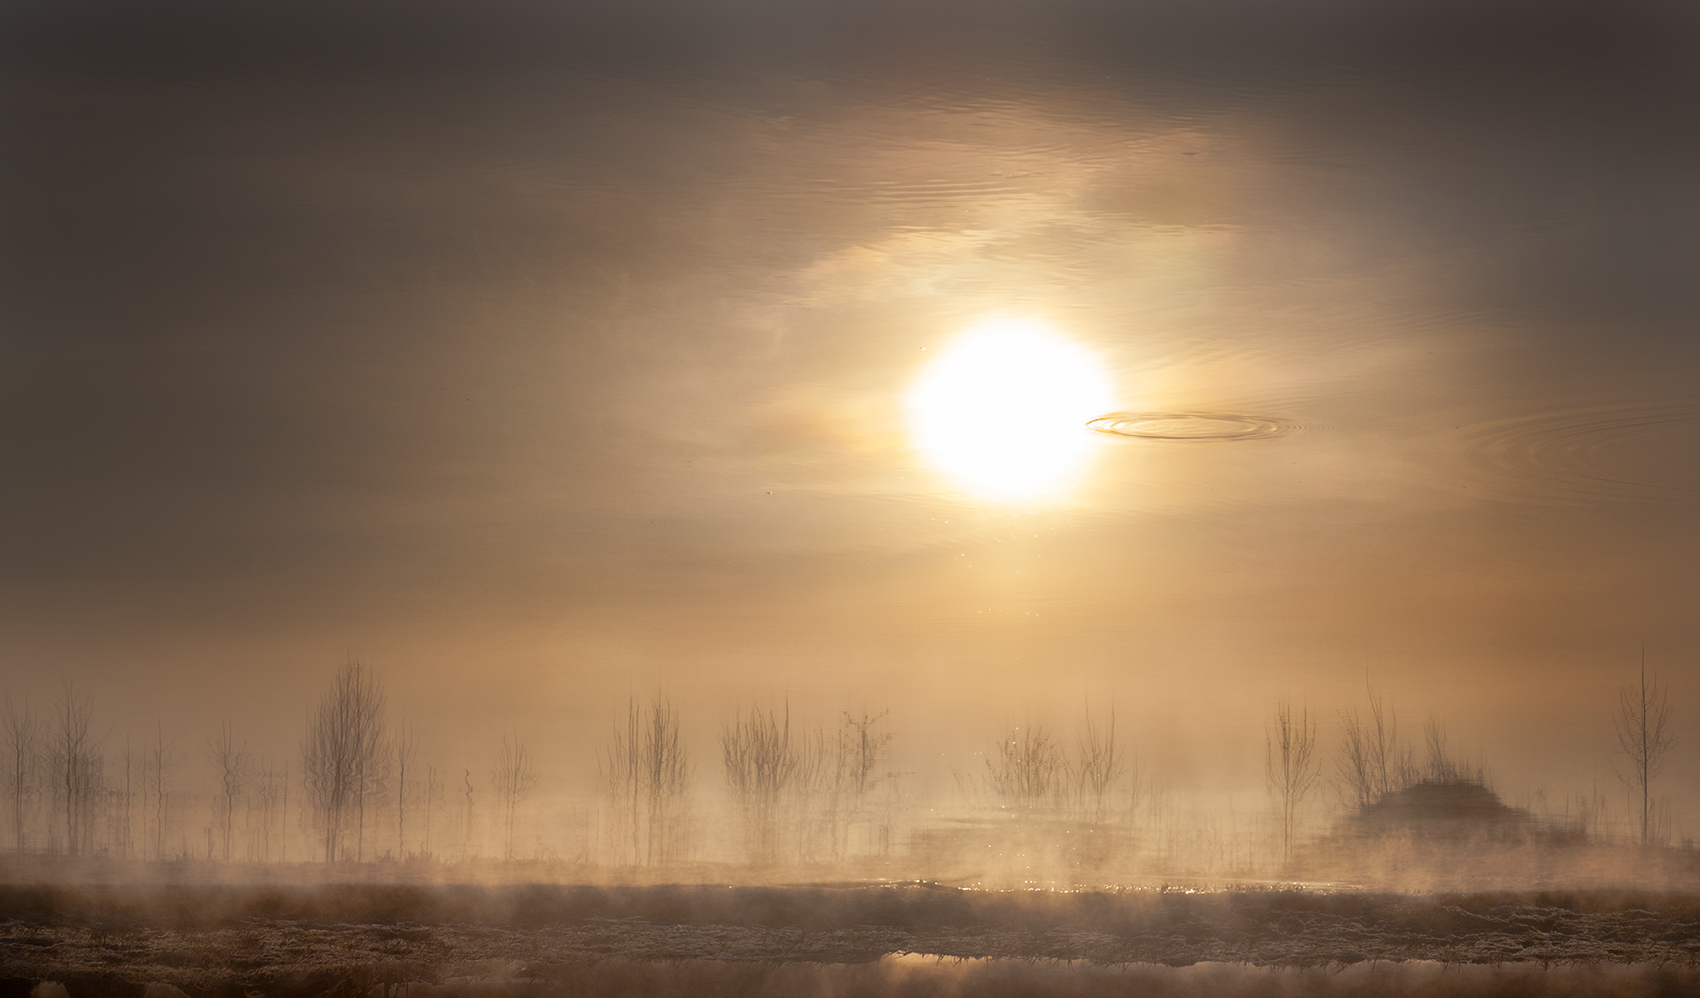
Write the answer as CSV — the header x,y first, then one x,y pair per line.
x,y
1004,408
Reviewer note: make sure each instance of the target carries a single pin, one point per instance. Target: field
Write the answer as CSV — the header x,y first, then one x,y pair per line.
x,y
208,939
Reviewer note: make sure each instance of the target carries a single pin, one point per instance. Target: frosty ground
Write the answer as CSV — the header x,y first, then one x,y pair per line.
x,y
212,939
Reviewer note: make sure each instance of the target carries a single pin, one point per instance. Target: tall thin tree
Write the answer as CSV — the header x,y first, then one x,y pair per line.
x,y
283,834
18,726
77,770
666,781
646,778
1099,769
433,795
1644,736
1289,767
266,788
339,756
231,765
406,746
620,769
863,749
161,756
763,765
467,814
126,834
513,777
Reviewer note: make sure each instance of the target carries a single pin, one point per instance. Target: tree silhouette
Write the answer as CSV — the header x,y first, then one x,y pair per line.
x,y
646,775
762,767
1027,767
1101,766
513,778
340,754
76,767
231,763
406,747
18,727
1372,763
1644,736
160,754
1289,767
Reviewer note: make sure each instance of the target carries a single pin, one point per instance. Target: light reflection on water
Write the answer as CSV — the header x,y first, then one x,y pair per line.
x,y
1204,427
1634,452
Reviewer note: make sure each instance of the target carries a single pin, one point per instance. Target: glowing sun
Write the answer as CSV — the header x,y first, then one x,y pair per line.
x,y
1003,409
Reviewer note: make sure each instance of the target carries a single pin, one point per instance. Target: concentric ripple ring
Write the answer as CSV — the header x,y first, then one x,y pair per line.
x,y
1194,427
1590,453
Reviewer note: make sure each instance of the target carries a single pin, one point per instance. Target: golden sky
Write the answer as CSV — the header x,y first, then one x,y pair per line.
x,y
538,372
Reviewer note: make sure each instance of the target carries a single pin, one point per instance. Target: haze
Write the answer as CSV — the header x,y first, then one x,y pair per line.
x,y
541,357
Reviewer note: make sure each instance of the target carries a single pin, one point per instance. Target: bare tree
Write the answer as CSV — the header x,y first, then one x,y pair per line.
x,y
433,795
859,752
646,777
1442,767
371,785
513,778
231,765
266,788
283,819
1100,767
466,816
407,745
18,727
126,837
1372,763
340,756
762,764
1027,768
818,785
77,768
162,757
1645,737
866,747
666,783
620,769
1289,767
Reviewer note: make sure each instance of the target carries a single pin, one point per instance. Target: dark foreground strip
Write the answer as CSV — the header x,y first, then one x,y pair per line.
x,y
336,940
932,979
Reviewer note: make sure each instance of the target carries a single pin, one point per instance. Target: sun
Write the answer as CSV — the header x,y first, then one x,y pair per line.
x,y
1003,409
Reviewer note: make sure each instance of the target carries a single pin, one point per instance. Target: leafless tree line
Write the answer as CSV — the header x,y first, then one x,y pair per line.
x,y
342,758
57,771
63,795
763,770
1029,769
65,791
646,777
801,794
514,778
1373,761
352,765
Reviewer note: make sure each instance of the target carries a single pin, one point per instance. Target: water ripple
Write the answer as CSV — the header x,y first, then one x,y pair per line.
x,y
1645,452
1200,427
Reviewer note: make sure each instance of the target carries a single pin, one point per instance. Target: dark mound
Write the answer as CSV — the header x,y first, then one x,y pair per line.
x,y
1458,810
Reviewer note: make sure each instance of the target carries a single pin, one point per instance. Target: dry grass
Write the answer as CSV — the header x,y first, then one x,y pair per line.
x,y
264,938
922,978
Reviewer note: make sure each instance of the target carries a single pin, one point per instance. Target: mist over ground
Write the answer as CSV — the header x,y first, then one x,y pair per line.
x,y
469,450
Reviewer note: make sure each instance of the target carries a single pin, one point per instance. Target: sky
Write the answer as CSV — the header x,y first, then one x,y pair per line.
x,y
540,355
